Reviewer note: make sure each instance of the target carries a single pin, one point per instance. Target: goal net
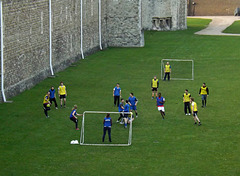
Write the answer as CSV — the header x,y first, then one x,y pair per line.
x,y
180,69
92,129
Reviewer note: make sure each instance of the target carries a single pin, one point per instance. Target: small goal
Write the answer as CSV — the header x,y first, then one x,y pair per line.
x,y
180,69
92,129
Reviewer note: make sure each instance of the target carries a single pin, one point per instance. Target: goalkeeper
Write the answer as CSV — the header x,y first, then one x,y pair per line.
x,y
107,124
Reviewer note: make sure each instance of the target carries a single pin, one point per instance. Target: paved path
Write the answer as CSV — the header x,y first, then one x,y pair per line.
x,y
218,24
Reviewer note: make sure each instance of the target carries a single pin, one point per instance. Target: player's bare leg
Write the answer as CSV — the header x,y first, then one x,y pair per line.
x,y
162,114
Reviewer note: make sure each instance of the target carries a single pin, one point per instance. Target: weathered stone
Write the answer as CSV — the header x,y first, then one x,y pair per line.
x,y
26,33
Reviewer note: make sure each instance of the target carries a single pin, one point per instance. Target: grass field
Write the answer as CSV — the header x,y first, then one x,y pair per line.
x,y
234,28
33,145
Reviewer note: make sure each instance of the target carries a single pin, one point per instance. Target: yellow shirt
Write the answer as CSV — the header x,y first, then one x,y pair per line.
x,y
194,106
186,97
62,90
46,99
167,68
203,90
154,83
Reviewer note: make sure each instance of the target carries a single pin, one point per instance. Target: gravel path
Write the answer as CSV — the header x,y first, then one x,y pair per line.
x,y
218,24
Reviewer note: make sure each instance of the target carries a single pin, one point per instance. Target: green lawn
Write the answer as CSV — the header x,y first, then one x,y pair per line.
x,y
30,144
234,28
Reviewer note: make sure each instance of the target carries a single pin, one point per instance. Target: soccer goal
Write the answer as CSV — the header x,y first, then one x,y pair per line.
x,y
180,69
92,129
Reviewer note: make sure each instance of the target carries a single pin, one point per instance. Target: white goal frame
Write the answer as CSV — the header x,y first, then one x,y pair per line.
x,y
102,112
162,68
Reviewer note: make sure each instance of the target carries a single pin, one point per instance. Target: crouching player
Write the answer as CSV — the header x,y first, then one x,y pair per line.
x,y
107,124
46,104
194,111
73,116
160,105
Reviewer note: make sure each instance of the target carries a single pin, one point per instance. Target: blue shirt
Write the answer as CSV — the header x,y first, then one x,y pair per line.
x,y
117,91
120,107
107,122
126,108
52,93
73,112
132,100
160,100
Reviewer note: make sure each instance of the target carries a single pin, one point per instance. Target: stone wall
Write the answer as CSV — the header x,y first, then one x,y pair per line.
x,y
176,9
124,23
212,7
26,33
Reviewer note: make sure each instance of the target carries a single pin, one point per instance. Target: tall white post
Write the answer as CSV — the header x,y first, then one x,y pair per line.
x,y
2,60
50,36
100,24
82,29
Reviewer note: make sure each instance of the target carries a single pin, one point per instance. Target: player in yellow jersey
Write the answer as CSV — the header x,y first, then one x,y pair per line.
x,y
46,104
204,92
194,111
186,101
154,86
62,92
167,71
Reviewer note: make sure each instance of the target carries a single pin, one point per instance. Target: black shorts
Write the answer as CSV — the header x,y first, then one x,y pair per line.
x,y
154,89
62,96
194,113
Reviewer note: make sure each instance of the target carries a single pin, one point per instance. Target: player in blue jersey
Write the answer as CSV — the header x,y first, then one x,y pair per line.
x,y
160,105
53,96
116,94
120,109
107,124
133,101
73,116
126,115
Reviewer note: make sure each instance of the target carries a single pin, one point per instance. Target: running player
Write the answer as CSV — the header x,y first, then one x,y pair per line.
x,y
154,86
160,105
46,104
133,101
194,111
62,92
186,101
73,116
107,124
120,109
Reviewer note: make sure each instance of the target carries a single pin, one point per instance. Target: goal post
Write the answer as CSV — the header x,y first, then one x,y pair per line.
x,y
90,115
181,69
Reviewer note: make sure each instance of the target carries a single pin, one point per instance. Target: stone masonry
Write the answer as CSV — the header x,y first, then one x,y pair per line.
x,y
26,33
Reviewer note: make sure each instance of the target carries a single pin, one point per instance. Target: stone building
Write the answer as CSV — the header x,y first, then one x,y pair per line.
x,y
27,58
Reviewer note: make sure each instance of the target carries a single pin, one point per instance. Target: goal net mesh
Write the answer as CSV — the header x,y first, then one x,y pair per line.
x,y
180,69
92,130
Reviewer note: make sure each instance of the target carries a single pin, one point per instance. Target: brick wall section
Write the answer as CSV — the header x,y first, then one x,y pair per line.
x,y
212,7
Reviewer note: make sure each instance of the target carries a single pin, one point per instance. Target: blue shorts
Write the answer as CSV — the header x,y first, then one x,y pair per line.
x,y
204,97
133,107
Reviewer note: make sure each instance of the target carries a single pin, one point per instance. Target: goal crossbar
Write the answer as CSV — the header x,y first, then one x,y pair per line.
x,y
180,60
105,112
